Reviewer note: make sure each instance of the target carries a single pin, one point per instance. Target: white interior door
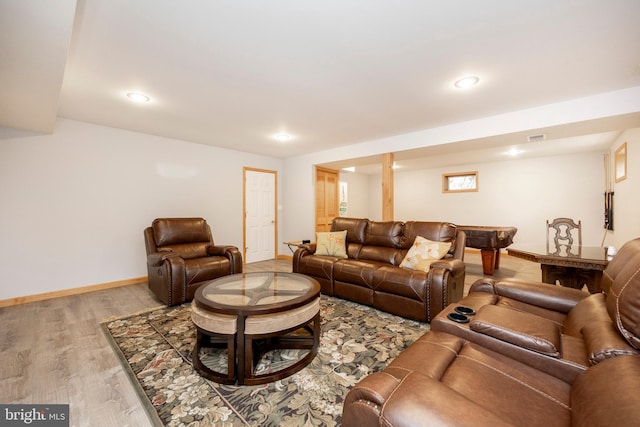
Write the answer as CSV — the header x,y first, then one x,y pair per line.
x,y
260,215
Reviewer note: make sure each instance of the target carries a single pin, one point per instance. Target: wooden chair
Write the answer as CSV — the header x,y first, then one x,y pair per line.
x,y
564,230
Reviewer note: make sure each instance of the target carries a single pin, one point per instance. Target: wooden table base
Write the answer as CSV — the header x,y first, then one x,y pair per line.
x,y
245,351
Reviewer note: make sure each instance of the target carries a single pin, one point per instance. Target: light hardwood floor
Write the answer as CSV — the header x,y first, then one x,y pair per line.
x,y
54,351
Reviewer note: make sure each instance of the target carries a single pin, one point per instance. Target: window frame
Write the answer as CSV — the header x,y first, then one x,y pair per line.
x,y
448,178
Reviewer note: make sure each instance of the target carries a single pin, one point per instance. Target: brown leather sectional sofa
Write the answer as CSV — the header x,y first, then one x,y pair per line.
x,y
371,274
533,354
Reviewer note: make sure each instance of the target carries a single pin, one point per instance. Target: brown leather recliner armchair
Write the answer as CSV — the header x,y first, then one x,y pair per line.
x,y
181,255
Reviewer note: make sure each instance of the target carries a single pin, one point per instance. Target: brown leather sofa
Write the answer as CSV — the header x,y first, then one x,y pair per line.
x,y
532,354
181,256
371,274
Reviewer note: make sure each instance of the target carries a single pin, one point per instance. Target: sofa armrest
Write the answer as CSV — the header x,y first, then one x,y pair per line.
x,y
556,298
302,251
454,265
446,284
603,341
461,243
231,252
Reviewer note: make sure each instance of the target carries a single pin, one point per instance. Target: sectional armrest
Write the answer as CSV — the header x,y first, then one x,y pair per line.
x,y
412,400
556,298
518,328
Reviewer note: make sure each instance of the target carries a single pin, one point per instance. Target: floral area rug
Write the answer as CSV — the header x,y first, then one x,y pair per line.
x,y
355,341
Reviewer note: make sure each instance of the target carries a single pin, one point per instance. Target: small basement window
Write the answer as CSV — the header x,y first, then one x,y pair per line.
x,y
459,182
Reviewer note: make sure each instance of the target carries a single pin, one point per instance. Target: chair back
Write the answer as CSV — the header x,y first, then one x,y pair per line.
x,y
564,232
187,237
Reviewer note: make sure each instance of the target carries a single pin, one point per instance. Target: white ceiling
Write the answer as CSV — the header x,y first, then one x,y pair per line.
x,y
330,73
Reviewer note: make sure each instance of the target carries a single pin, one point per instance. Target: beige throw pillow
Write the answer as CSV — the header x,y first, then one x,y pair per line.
x,y
423,253
332,243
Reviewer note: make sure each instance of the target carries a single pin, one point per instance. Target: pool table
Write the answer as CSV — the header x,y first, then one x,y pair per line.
x,y
489,240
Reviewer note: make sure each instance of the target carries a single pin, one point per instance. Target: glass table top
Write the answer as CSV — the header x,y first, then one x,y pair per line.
x,y
256,289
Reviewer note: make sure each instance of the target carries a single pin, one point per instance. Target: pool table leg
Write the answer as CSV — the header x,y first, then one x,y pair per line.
x,y
490,260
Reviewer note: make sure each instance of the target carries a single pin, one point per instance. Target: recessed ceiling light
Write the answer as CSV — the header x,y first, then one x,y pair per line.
x,y
467,82
138,97
349,169
282,137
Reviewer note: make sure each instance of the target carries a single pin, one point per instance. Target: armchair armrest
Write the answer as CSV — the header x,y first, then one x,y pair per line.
x,y
219,250
229,251
539,294
157,258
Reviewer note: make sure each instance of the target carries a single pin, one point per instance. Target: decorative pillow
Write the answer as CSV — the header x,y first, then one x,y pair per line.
x,y
332,243
423,253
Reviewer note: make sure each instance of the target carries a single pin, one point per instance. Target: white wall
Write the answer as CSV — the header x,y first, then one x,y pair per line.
x,y
75,203
520,193
357,193
626,204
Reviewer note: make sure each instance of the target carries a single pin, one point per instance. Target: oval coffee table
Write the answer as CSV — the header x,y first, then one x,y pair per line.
x,y
252,314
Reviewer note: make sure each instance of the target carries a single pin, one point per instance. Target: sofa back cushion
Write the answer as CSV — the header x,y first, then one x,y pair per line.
x,y
436,231
356,228
621,283
389,241
388,234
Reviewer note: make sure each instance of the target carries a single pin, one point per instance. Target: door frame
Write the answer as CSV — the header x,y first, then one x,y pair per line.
x,y
246,169
336,197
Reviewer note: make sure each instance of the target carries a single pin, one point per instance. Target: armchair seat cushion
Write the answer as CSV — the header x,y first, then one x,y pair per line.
x,y
206,268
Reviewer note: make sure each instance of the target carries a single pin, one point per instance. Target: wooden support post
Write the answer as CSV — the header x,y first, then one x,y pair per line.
x,y
387,187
